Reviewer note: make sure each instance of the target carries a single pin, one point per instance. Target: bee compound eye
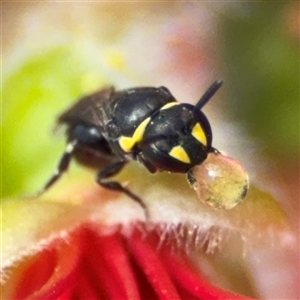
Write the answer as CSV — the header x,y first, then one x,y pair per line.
x,y
220,181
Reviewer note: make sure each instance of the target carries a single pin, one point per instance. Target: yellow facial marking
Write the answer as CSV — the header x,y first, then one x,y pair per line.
x,y
179,153
168,105
127,143
198,134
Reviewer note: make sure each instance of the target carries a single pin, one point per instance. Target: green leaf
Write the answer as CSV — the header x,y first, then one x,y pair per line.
x,y
34,93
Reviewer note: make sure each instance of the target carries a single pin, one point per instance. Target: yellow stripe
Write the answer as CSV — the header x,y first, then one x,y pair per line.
x,y
198,134
179,153
168,105
127,143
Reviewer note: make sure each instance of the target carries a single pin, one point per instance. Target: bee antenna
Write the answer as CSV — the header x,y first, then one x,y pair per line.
x,y
208,94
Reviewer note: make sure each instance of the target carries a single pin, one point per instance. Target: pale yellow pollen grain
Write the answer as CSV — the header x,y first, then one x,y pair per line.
x,y
90,81
115,59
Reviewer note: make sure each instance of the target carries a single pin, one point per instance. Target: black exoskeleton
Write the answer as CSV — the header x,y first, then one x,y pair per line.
x,y
145,124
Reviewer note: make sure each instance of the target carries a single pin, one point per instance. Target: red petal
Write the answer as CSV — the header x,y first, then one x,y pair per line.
x,y
192,283
45,275
151,264
171,275
105,264
91,266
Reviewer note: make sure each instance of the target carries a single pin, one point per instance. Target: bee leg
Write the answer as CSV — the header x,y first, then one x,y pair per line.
x,y
113,169
61,168
140,158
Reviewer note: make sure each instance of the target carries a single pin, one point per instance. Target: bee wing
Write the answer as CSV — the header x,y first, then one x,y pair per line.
x,y
91,110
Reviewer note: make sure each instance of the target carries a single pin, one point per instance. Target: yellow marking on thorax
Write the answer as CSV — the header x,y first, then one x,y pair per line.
x,y
179,153
127,143
198,134
168,105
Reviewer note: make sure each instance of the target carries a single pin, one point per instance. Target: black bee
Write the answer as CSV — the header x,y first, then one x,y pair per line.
x,y
145,124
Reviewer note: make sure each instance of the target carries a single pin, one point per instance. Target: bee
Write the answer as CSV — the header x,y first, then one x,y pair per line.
x,y
145,124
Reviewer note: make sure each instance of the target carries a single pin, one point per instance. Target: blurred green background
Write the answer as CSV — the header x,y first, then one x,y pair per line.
x,y
261,60
55,52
